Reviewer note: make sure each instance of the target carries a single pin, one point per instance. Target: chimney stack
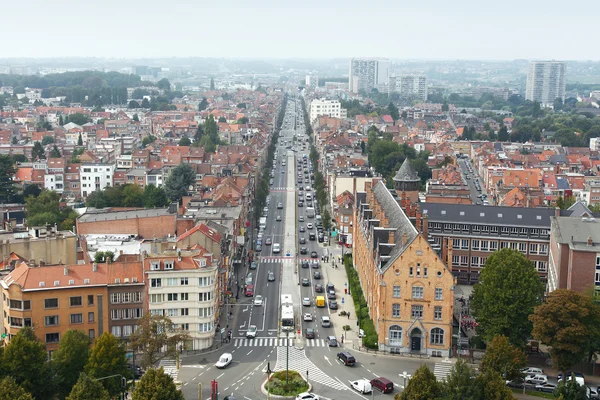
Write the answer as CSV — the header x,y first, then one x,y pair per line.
x,y
449,261
590,242
66,270
95,267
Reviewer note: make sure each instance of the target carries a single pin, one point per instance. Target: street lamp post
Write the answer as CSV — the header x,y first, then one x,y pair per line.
x,y
404,375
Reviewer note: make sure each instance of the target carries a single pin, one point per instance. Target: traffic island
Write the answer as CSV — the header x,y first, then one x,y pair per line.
x,y
279,389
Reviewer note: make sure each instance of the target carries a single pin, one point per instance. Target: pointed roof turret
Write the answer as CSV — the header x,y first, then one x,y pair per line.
x,y
406,173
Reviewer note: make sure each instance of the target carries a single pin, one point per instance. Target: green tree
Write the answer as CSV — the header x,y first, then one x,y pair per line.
x,y
60,120
145,103
208,145
25,360
222,119
185,141
136,118
32,190
504,359
10,390
490,385
180,179
241,105
97,199
565,202
156,385
79,119
164,84
571,390
422,386
509,289
108,358
393,110
14,140
203,105
212,83
133,104
156,339
55,152
43,209
154,197
568,323
38,152
70,359
243,120
46,140
132,196
80,140
7,172
87,388
460,383
445,106
104,256
503,135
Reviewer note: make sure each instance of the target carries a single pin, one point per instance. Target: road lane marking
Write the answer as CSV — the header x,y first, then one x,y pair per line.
x,y
249,352
221,375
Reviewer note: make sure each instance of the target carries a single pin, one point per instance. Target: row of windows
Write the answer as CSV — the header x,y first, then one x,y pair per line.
x,y
183,312
133,297
488,229
436,336
416,311
75,301
418,292
161,297
492,245
126,313
183,281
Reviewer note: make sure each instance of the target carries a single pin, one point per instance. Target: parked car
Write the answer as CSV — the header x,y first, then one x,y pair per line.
x,y
546,387
537,379
362,385
579,378
531,371
333,305
307,396
224,360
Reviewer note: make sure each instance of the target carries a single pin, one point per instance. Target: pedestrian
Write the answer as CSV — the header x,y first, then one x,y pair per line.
x,y
342,338
348,315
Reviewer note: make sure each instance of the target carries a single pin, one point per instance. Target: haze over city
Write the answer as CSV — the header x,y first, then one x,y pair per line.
x,y
464,29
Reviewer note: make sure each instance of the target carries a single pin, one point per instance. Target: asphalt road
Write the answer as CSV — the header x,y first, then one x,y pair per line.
x,y
471,181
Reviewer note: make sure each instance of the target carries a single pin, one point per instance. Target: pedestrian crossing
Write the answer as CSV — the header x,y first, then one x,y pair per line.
x,y
170,367
299,362
286,260
442,370
277,342
283,189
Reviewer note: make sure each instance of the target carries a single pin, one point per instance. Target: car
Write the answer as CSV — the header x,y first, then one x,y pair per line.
x,y
303,250
362,385
307,317
249,290
271,276
307,396
314,255
317,275
309,225
283,171
258,300
253,265
319,288
311,236
268,241
382,384
331,295
531,371
278,218
300,204
332,341
316,265
306,301
280,205
224,360
321,238
305,282
309,333
546,387
302,229
347,358
537,379
251,332
330,287
579,378
333,305
302,240
258,247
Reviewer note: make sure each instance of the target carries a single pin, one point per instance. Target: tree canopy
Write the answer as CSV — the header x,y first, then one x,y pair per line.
x,y
185,141
504,359
45,210
180,179
164,84
70,359
203,105
568,322
38,152
87,388
128,195
7,185
155,384
10,390
422,386
509,289
108,358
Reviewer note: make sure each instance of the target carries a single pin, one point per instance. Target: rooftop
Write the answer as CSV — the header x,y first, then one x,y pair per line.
x,y
497,215
576,232
107,215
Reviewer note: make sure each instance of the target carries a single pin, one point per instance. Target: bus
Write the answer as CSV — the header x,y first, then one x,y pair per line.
x,y
287,313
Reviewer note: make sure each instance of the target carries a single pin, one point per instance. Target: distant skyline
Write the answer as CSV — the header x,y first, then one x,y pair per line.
x,y
434,30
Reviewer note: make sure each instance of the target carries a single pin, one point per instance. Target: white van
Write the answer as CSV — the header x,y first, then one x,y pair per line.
x,y
276,248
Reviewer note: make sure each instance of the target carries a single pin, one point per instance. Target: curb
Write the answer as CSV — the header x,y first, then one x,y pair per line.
x,y
274,396
387,355
181,356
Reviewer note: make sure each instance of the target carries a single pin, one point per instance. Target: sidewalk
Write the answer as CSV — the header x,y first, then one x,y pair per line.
x,y
338,277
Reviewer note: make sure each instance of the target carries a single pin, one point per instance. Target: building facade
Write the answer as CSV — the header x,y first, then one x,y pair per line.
x,y
407,287
546,81
40,245
331,108
368,73
183,287
414,86
95,176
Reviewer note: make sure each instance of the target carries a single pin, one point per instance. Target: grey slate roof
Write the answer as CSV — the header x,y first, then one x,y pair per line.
x,y
562,183
576,231
397,220
406,173
488,215
579,209
104,215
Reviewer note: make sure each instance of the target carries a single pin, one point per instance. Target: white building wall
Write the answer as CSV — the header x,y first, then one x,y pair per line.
x,y
95,177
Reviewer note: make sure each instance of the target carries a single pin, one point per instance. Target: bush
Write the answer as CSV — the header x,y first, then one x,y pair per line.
x,y
277,385
346,328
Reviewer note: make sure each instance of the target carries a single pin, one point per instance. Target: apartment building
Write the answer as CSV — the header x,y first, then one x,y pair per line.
x,y
468,234
407,286
413,86
182,285
331,108
546,82
368,73
95,176
574,254
54,299
40,244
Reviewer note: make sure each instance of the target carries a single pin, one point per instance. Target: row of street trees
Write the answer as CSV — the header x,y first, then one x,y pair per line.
x,y
80,371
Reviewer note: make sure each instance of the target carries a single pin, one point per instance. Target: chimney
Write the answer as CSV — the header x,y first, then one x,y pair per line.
x,y
418,219
557,211
95,267
391,236
590,241
66,270
404,239
449,261
425,225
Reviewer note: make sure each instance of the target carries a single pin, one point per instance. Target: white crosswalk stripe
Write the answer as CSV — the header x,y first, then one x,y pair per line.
x,y
276,342
442,370
170,367
299,362
283,189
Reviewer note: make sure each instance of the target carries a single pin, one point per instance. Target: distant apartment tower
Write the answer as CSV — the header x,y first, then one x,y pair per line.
x,y
369,73
332,108
312,81
414,86
546,81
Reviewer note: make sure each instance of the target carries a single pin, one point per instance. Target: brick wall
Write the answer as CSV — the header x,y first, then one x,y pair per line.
x,y
149,227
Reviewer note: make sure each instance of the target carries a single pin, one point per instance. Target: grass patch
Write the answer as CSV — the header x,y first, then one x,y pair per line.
x,y
277,384
534,393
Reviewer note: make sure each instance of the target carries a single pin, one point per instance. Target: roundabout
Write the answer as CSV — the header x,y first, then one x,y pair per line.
x,y
285,384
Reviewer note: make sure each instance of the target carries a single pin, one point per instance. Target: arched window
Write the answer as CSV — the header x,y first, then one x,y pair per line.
x,y
395,335
437,336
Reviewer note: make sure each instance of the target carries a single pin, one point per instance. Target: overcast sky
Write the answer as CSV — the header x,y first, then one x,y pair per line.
x,y
421,29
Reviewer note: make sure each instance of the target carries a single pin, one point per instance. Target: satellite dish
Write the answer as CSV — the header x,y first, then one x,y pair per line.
x,y
191,187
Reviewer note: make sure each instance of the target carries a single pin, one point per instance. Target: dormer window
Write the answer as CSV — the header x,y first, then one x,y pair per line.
x,y
168,264
154,265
